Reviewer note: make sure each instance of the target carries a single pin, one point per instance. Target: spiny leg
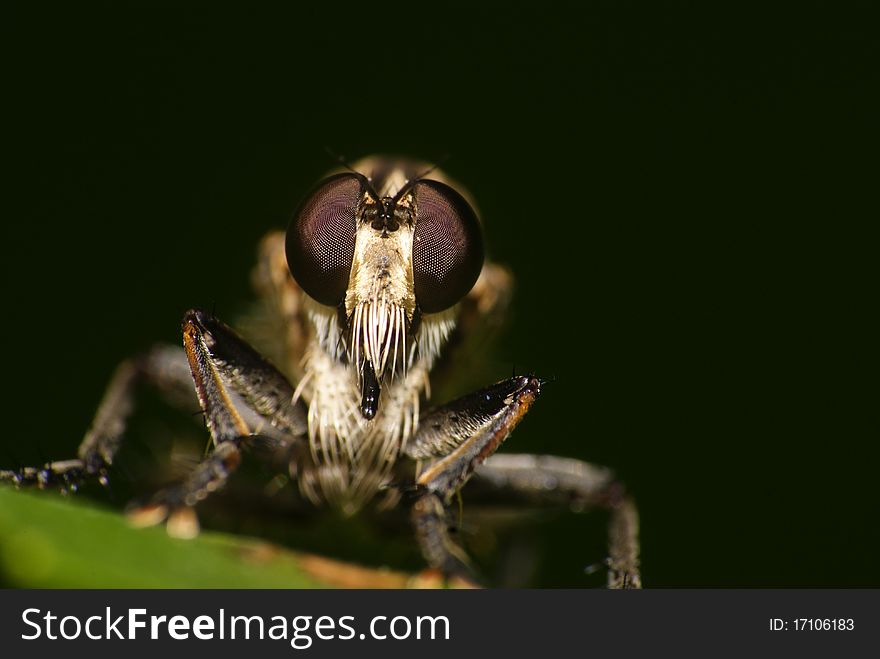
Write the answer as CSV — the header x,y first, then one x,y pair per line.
x,y
547,479
215,350
163,367
456,438
219,359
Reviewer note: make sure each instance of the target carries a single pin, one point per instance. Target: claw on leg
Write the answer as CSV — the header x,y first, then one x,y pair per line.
x,y
147,515
433,579
182,522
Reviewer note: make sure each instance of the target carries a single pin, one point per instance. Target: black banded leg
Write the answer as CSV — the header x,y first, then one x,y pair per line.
x,y
220,360
63,475
453,440
546,479
431,524
165,368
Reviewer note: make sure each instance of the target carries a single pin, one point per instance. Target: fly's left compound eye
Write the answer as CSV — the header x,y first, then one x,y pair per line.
x,y
447,246
321,236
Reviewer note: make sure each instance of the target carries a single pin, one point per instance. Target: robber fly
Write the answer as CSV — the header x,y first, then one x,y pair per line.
x,y
381,267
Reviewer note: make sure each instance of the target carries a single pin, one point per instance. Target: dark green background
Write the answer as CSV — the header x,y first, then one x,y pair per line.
x,y
682,194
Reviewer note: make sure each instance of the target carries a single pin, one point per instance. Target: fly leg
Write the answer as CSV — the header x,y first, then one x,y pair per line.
x,y
546,479
163,367
221,363
241,395
452,441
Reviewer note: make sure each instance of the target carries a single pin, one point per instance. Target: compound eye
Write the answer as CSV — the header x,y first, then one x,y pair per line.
x,y
320,238
447,246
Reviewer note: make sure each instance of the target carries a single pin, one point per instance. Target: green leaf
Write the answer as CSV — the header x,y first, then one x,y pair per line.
x,y
50,542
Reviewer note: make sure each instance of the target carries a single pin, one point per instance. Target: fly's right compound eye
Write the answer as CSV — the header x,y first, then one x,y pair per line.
x,y
447,246
321,236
